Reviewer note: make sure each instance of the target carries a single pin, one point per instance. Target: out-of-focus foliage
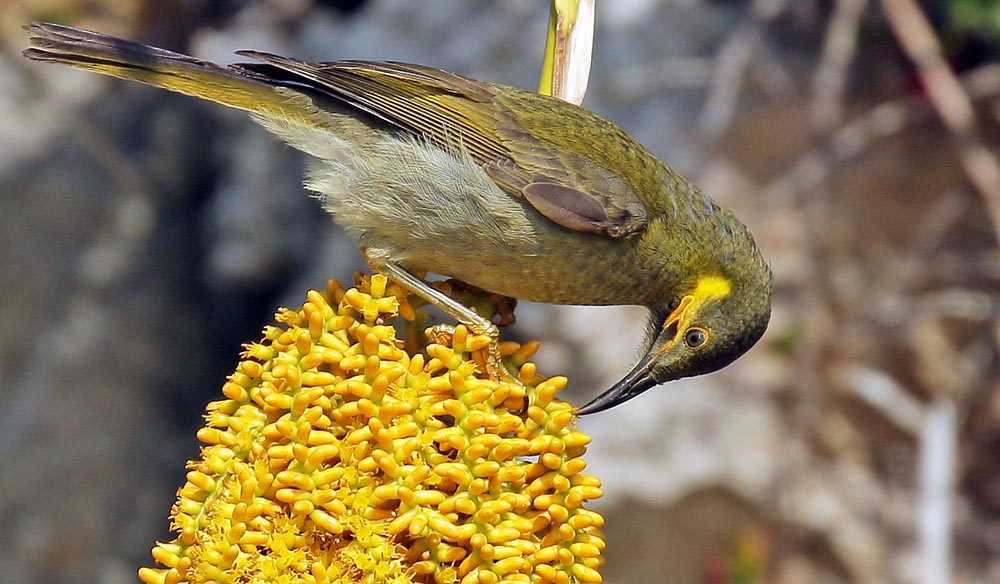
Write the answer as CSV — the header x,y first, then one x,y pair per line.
x,y
974,16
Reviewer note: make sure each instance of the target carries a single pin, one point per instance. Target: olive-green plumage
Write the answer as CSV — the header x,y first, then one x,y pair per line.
x,y
514,192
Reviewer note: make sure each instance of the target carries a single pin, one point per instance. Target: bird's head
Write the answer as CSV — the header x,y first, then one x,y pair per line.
x,y
715,320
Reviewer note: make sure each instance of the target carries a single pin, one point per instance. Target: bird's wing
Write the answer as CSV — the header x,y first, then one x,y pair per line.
x,y
563,181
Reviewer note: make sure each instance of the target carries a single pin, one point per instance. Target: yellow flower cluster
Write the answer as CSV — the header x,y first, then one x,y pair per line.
x,y
337,457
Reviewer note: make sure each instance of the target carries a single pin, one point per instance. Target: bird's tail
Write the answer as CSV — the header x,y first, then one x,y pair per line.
x,y
240,89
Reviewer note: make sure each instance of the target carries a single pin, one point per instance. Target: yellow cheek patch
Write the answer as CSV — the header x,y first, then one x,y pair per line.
x,y
711,288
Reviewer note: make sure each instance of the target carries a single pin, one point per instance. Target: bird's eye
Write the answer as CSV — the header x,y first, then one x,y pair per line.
x,y
695,338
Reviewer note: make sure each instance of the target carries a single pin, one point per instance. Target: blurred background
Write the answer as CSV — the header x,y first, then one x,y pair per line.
x,y
145,236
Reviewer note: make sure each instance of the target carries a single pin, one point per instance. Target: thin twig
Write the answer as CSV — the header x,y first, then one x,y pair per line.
x,y
953,105
861,133
839,48
731,64
727,79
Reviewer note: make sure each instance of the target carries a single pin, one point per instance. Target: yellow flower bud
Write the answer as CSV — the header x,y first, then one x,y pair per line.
x,y
337,458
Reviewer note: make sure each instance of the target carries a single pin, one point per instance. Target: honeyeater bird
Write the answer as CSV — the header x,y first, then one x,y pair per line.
x,y
517,193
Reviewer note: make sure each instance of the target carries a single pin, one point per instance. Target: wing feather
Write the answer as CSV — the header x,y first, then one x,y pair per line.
x,y
463,114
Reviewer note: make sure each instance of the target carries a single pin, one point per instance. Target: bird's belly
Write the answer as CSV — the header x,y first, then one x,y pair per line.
x,y
425,208
551,276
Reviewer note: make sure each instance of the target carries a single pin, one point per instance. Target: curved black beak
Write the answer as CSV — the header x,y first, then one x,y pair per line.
x,y
638,380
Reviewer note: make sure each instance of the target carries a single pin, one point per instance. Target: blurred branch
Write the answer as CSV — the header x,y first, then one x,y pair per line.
x,y
698,73
727,79
850,140
938,448
669,73
839,48
937,430
953,105
886,395
959,303
731,64
771,76
853,138
941,217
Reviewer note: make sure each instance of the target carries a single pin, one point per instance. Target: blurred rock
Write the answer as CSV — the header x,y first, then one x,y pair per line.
x,y
148,235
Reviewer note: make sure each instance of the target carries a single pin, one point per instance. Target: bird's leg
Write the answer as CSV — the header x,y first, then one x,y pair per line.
x,y
477,324
463,314
477,298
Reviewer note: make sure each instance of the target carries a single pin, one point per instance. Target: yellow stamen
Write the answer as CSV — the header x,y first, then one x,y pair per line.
x,y
338,458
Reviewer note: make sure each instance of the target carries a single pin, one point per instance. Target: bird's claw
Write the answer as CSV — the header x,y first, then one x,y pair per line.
x,y
475,323
494,366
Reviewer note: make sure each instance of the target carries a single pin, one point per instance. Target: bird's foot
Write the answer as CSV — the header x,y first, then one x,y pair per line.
x,y
480,300
475,323
493,362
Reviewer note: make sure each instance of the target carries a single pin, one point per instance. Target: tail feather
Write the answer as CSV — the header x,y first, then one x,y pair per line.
x,y
239,88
